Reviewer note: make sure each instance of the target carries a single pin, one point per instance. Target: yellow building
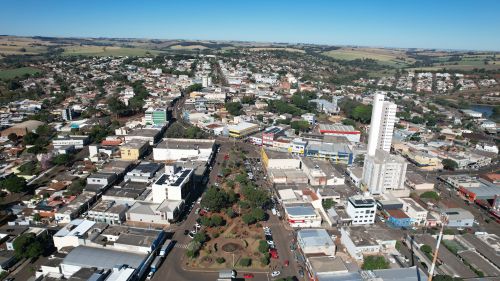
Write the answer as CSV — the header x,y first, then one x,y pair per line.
x,y
134,149
242,129
425,161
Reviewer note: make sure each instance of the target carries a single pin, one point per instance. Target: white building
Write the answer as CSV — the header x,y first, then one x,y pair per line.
x,y
358,243
315,241
384,171
361,209
177,149
302,216
381,125
417,213
309,117
77,141
172,186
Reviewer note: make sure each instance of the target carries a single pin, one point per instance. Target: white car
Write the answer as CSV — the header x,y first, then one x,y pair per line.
x,y
275,273
150,275
270,242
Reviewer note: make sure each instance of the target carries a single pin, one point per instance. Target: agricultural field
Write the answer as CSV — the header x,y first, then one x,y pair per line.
x,y
391,57
10,45
106,51
17,72
277,49
189,47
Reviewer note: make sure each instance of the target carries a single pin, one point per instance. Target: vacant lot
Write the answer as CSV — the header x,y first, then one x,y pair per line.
x,y
17,72
106,51
384,56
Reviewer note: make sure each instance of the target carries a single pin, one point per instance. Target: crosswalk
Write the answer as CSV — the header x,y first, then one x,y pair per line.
x,y
181,246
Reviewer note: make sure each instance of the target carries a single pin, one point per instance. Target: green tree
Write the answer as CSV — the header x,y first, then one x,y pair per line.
x,y
27,245
13,183
300,126
245,262
29,168
248,219
263,246
449,164
220,260
12,137
30,138
328,204
426,249
200,237
259,214
62,159
349,122
374,262
234,108
194,88
214,199
217,220
430,195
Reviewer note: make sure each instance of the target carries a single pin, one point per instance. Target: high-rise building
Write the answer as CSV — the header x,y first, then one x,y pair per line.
x,y
382,124
382,171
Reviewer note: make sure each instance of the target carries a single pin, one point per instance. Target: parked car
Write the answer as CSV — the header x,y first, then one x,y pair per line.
x,y
275,273
248,275
191,234
286,263
186,231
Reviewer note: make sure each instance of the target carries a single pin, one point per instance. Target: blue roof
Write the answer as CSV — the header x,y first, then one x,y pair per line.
x,y
297,211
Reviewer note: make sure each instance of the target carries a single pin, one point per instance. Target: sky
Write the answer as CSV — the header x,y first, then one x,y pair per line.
x,y
441,24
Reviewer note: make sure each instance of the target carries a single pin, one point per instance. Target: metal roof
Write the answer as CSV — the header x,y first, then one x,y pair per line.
x,y
101,258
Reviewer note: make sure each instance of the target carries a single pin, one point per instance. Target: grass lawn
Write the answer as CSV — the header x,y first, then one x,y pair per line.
x,y
17,72
106,51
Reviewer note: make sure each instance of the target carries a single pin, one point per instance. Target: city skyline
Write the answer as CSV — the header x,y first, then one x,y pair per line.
x,y
427,25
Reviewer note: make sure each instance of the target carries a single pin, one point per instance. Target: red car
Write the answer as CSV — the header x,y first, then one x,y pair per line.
x,y
274,253
286,263
248,276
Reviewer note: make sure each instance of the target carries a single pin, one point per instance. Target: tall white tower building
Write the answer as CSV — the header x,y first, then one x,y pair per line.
x,y
382,171
382,124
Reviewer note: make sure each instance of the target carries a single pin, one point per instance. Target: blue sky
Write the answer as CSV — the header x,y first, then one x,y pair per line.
x,y
429,24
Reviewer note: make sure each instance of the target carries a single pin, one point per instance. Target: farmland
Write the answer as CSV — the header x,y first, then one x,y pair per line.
x,y
106,51
17,72
391,57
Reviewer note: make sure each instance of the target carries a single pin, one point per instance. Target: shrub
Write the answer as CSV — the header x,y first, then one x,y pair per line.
x,y
246,262
263,246
375,262
220,260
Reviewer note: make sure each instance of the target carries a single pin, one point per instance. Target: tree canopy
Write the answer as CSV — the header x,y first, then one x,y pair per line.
x,y
374,262
13,183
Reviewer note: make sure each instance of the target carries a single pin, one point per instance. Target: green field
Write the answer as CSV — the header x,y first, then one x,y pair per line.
x,y
17,72
383,56
104,51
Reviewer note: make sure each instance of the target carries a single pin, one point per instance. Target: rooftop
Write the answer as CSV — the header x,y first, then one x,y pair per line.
x,y
186,144
300,210
101,258
314,238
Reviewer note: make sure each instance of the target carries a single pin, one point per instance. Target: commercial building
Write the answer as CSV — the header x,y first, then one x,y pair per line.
x,y
152,135
279,160
100,258
358,242
108,212
340,130
156,116
134,149
315,242
321,172
416,212
416,181
336,152
397,218
270,134
177,149
361,209
458,217
67,114
302,215
309,117
242,129
73,140
144,172
383,172
74,209
175,185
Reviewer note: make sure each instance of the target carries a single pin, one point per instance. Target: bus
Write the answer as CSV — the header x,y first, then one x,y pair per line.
x,y
167,246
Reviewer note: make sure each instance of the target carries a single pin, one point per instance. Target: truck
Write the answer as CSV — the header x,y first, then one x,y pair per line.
x,y
156,264
167,246
227,274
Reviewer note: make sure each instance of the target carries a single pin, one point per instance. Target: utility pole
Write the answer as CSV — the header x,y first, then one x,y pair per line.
x,y
431,271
